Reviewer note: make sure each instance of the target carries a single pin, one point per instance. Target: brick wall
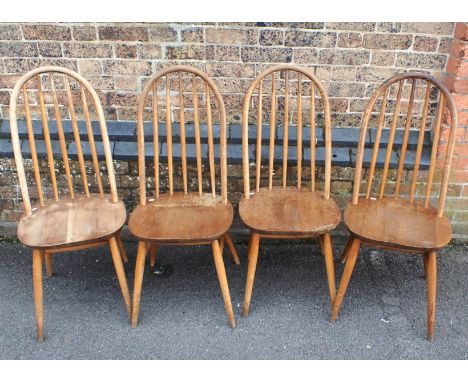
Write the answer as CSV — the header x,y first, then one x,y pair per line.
x,y
457,81
350,59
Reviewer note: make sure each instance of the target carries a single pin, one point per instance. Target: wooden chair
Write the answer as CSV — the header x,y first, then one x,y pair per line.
x,y
281,211
186,217
387,220
81,218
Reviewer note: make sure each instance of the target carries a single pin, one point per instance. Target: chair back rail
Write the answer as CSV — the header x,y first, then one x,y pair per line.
x,y
287,75
172,79
62,97
431,92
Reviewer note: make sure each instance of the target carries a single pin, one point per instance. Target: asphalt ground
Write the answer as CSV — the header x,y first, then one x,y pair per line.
x,y
182,317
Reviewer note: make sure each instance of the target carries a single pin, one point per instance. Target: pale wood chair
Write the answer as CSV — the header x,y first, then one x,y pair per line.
x,y
79,218
185,217
282,211
382,217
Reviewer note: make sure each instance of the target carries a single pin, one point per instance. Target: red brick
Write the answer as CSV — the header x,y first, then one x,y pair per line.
x,y
461,31
460,176
460,86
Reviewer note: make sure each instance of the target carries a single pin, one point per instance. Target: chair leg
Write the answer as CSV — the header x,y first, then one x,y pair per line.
x,y
49,264
119,270
431,279
139,271
153,254
123,252
328,254
425,265
221,244
344,256
254,243
220,270
231,247
347,272
38,293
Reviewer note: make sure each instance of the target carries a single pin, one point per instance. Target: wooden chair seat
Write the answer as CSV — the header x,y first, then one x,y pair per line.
x,y
289,211
398,222
181,218
72,222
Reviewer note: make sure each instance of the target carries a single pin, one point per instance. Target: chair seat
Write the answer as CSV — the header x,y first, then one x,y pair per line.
x,y
72,221
289,211
181,218
398,223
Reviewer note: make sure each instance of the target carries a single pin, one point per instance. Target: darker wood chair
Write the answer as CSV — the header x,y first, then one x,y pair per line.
x,y
81,218
185,217
382,217
277,210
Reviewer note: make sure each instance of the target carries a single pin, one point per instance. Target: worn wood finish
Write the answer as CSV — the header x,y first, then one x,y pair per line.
x,y
78,219
181,218
287,212
189,217
71,222
396,222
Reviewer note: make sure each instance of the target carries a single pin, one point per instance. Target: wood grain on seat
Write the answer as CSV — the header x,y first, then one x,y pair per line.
x,y
72,222
398,222
289,211
181,218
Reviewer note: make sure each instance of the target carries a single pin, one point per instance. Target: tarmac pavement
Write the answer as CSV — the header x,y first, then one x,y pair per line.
x,y
182,317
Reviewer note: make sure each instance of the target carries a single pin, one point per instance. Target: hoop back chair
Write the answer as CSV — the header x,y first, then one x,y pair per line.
x,y
280,210
84,215
191,215
388,214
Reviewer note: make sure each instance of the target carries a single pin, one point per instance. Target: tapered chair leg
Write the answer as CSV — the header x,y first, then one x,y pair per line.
x,y
232,249
425,265
431,280
347,272
38,293
221,271
221,244
153,254
254,243
139,271
119,270
123,252
49,264
328,254
346,250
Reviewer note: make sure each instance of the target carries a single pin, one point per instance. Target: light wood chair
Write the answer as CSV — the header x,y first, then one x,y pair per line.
x,y
80,218
186,217
388,219
282,211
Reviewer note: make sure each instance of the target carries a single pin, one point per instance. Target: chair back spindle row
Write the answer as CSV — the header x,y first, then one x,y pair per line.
x,y
256,92
431,91
65,88
199,84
